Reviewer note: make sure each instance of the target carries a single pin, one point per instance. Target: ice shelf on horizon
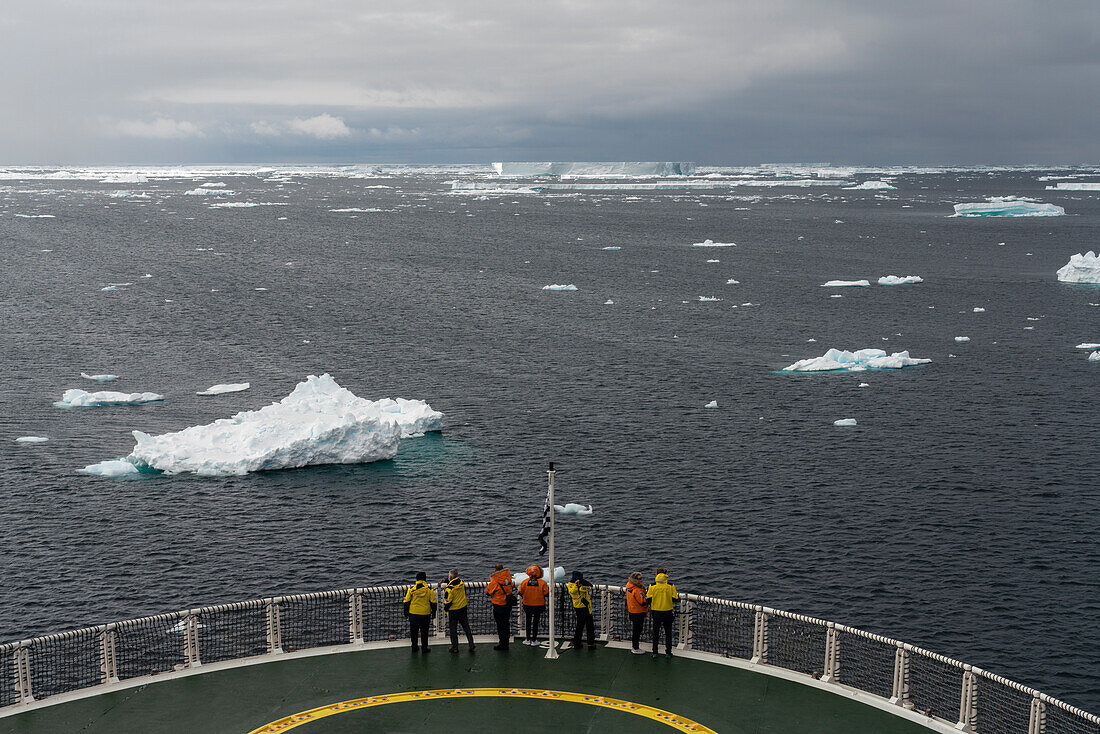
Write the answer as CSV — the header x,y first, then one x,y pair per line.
x,y
586,168
1081,268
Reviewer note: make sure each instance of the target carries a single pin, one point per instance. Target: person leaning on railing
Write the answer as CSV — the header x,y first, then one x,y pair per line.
x,y
582,606
501,592
637,606
662,595
420,608
454,604
533,591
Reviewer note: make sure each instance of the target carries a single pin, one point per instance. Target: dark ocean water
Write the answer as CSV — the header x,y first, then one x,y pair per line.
x,y
960,514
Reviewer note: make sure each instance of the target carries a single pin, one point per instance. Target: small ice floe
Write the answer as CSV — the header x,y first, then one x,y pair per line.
x,y
733,281
1094,357
836,360
1008,206
609,302
979,309
845,422
369,210
612,248
864,384
99,378
714,261
224,388
962,338
811,340
1081,268
85,399
36,216
846,284
900,279
837,295
259,289
572,508
1088,345
711,404
557,287
712,243
870,186
180,627
709,299
245,204
111,468
147,275
838,221
32,439
208,192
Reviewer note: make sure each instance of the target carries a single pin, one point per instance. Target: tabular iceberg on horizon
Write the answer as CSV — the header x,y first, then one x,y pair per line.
x,y
319,422
862,359
569,168
1081,268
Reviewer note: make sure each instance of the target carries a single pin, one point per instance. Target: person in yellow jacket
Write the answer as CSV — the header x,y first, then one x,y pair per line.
x,y
419,608
454,603
662,595
582,606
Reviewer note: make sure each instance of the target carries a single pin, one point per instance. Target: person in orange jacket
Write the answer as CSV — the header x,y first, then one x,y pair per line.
x,y
501,592
637,606
533,591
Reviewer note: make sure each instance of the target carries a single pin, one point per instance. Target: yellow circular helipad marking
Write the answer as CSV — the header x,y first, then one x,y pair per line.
x,y
676,722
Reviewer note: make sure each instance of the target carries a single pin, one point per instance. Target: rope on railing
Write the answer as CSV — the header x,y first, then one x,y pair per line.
x,y
968,698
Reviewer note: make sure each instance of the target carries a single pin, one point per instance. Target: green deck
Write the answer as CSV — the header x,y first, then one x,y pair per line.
x,y
238,700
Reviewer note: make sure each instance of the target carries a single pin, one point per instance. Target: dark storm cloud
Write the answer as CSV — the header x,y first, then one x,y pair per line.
x,y
721,81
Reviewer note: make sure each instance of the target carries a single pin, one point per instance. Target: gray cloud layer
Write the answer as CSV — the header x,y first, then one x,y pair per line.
x,y
716,81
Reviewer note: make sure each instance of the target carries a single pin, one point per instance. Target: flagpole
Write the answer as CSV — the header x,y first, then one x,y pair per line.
x,y
552,653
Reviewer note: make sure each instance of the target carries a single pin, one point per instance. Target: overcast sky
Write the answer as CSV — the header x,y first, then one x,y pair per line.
x,y
715,81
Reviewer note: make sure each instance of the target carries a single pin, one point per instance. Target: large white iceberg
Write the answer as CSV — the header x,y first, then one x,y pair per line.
x,y
1081,269
83,399
1007,206
319,422
857,361
846,284
900,279
565,168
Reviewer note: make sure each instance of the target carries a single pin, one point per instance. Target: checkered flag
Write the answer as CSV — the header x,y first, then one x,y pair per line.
x,y
544,534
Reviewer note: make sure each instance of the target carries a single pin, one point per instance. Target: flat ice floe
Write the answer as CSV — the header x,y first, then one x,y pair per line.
x,y
572,508
612,248
711,404
559,287
709,299
1075,186
845,422
32,439
846,284
1007,206
712,243
84,399
111,468
1088,345
99,378
319,422
962,338
1081,269
245,204
209,192
224,388
350,209
836,360
870,186
900,279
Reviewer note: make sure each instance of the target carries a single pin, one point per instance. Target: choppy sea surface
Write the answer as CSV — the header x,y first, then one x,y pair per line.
x,y
960,514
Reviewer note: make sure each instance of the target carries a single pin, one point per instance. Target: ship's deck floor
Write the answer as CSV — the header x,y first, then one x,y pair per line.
x,y
240,700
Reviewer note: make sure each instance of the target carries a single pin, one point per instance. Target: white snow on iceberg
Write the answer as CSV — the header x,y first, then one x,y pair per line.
x,y
557,287
857,361
1081,269
1007,206
900,279
572,508
870,186
712,243
227,387
99,378
319,422
83,399
846,284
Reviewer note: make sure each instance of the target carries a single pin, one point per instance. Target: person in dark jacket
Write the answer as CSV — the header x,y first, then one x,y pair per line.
x,y
582,606
420,606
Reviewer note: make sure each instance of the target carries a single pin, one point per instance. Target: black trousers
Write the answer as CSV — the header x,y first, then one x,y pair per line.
x,y
662,619
502,616
418,625
637,622
584,622
532,615
459,617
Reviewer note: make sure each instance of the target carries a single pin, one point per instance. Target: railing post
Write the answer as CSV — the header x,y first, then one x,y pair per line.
x,y
274,628
355,616
23,674
760,637
108,662
830,669
685,625
191,639
1037,721
440,614
968,700
900,693
605,614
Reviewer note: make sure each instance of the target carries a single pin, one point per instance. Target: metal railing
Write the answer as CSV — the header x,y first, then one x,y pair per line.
x,y
962,696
